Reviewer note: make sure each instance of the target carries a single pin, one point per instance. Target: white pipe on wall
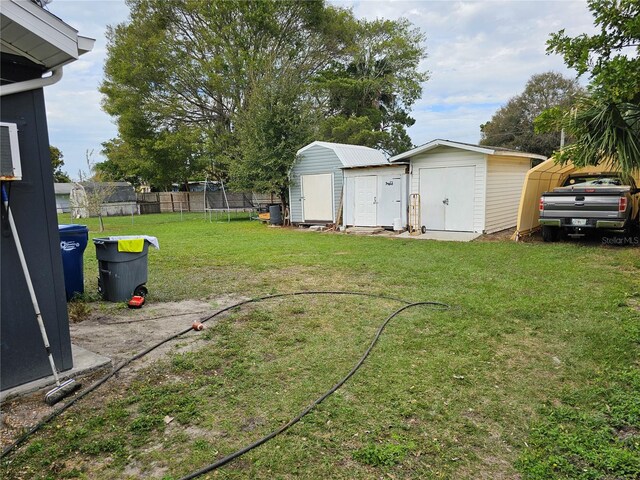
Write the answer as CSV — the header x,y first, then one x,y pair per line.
x,y
18,87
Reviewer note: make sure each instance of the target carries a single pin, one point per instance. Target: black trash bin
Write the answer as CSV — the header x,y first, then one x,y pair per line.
x,y
73,241
122,274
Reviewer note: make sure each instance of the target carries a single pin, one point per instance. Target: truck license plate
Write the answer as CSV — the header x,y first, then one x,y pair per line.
x,y
579,221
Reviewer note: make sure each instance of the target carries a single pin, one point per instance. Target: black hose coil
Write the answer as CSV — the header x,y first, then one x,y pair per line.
x,y
266,438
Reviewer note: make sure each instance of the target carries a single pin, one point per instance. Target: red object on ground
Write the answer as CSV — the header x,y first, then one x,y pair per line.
x,y
197,326
136,301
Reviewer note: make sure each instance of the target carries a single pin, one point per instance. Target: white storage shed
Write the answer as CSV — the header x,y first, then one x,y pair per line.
x,y
117,199
376,196
467,188
63,194
317,180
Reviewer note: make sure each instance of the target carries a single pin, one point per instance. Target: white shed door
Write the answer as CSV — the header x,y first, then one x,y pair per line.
x,y
447,198
389,199
365,207
317,197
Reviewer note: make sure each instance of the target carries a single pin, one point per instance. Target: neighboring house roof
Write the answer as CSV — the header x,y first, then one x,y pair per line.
x,y
351,155
62,188
30,31
116,191
106,184
464,146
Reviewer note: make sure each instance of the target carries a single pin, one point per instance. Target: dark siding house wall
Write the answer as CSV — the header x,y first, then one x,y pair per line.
x,y
32,201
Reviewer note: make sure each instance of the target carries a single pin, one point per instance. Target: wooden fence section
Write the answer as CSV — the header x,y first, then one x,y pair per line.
x,y
162,202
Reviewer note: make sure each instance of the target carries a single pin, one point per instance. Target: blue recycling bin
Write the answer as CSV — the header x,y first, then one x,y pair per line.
x,y
73,241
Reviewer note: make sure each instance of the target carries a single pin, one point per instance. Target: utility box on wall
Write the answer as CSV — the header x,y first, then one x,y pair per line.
x,y
10,167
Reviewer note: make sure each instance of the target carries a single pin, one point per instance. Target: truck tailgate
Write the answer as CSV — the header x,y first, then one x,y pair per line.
x,y
570,205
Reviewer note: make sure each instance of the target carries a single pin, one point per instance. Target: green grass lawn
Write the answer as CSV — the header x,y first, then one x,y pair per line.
x,y
533,372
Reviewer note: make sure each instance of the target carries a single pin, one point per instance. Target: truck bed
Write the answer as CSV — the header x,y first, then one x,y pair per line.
x,y
587,205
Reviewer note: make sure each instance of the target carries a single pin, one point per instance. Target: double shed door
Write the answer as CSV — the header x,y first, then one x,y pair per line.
x,y
447,198
377,200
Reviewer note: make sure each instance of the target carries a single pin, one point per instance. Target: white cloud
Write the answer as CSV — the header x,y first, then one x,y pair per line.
x,y
480,54
459,123
76,121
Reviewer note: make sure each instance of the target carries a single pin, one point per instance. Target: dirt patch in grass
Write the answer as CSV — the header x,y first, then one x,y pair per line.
x,y
114,331
627,432
119,333
634,303
501,236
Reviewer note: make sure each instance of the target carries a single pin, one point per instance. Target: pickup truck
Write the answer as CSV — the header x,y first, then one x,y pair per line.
x,y
589,202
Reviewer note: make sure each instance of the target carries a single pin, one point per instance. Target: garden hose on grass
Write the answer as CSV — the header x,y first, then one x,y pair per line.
x,y
257,443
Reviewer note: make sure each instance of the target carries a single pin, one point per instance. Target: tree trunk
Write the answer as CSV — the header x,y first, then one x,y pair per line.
x,y
283,201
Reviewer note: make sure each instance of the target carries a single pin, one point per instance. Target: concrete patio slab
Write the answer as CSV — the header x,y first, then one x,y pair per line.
x,y
364,230
443,236
84,362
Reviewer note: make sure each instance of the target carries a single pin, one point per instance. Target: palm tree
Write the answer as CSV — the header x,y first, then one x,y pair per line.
x,y
605,133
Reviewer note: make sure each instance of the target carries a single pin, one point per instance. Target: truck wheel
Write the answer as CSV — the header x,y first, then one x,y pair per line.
x,y
550,234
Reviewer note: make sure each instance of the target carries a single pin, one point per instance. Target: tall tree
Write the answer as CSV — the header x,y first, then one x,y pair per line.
x,y
203,81
512,126
278,121
369,94
57,163
192,65
123,164
606,123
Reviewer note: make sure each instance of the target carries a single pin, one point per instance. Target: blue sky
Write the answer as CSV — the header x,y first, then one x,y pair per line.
x,y
480,54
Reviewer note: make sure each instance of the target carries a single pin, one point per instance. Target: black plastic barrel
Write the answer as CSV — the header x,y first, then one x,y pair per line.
x,y
73,241
275,215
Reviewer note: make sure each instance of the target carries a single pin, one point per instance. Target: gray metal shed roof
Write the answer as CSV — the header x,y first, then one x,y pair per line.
x,y
352,155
